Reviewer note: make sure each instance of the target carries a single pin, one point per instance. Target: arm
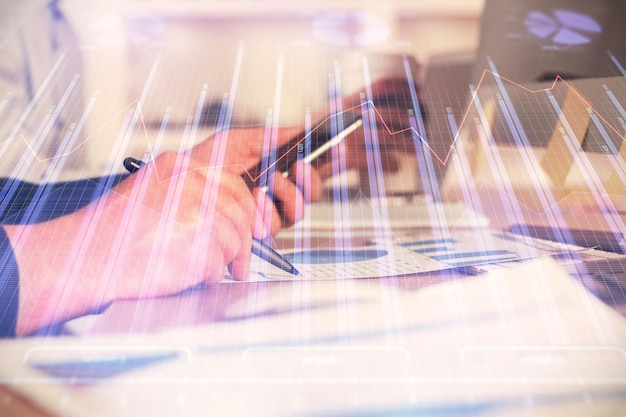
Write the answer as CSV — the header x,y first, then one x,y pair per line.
x,y
134,242
176,222
9,287
23,202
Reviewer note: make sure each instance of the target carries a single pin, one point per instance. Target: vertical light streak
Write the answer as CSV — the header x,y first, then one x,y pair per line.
x,y
301,328
55,169
462,166
616,183
216,159
373,157
458,157
270,145
123,240
152,148
5,101
517,131
270,139
569,136
616,103
611,152
303,228
78,249
370,129
168,217
431,188
547,203
619,66
55,115
341,208
593,182
37,141
127,133
383,234
37,95
266,164
483,125
424,153
225,116
547,200
81,245
338,210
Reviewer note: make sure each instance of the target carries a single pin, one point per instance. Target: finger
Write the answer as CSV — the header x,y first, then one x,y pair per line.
x,y
287,197
307,179
281,142
253,218
259,230
230,221
224,188
240,266
227,248
214,265
232,240
272,219
239,209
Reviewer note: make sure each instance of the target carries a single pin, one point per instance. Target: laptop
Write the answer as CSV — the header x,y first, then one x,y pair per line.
x,y
534,58
536,40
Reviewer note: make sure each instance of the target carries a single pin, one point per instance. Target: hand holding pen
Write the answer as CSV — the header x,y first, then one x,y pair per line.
x,y
287,157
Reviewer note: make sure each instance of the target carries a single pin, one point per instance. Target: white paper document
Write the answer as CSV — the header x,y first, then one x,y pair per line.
x,y
524,341
337,255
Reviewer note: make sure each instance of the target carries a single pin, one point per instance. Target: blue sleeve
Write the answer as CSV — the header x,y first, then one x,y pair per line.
x,y
9,287
23,202
26,203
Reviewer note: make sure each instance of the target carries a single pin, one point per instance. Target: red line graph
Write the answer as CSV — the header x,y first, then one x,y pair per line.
x,y
557,79
380,121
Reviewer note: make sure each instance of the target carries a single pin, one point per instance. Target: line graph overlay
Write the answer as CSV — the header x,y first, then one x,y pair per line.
x,y
614,185
564,151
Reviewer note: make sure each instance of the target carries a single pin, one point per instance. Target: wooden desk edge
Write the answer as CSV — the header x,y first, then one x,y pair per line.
x,y
13,404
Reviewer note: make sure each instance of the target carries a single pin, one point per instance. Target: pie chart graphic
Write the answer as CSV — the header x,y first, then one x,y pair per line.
x,y
562,27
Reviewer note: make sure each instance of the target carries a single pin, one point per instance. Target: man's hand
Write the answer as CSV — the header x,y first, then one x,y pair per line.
x,y
388,121
178,221
239,150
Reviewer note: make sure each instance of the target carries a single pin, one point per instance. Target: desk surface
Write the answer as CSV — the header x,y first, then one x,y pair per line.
x,y
520,336
251,338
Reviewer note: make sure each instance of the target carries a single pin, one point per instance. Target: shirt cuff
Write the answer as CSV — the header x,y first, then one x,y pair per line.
x,y
9,287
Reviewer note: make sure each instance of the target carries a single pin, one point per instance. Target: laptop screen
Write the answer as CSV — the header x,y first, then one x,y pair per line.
x,y
547,76
536,40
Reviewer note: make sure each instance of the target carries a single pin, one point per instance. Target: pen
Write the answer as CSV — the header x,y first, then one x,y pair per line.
x,y
259,248
319,141
334,141
265,252
133,165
